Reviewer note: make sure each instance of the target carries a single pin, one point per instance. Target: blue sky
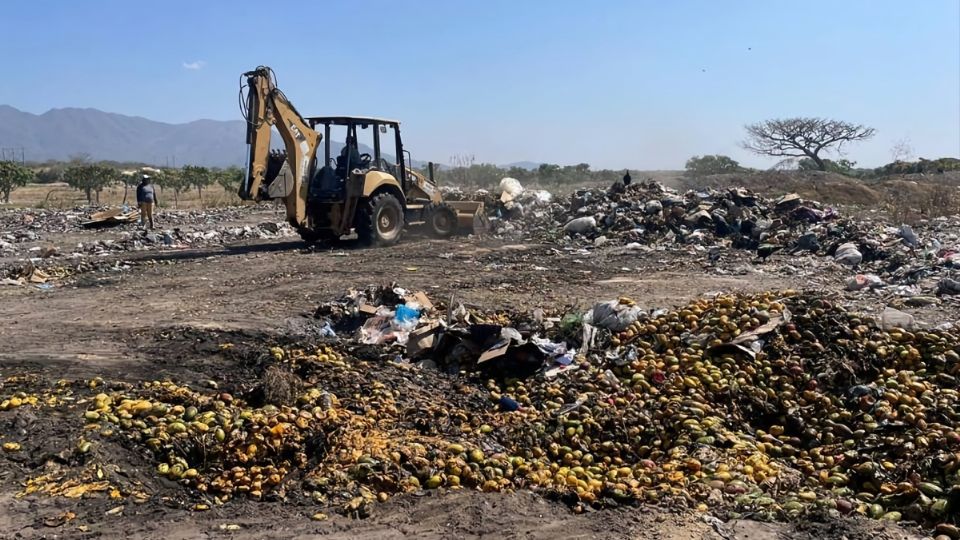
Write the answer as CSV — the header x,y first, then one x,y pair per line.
x,y
640,84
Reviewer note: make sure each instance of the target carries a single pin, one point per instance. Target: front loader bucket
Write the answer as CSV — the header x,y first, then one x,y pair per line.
x,y
471,216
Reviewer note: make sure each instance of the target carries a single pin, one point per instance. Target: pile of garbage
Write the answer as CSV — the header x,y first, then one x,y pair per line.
x,y
171,238
46,264
915,261
772,405
18,228
651,213
29,274
23,233
47,274
487,197
213,216
191,237
450,337
18,222
918,263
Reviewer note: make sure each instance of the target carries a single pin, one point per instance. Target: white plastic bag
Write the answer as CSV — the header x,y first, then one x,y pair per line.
x,y
510,188
612,315
848,254
910,237
894,318
538,197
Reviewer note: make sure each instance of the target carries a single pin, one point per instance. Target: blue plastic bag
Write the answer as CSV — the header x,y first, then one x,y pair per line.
x,y
405,314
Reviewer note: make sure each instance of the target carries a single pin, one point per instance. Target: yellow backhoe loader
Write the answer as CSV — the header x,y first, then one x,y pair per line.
x,y
371,194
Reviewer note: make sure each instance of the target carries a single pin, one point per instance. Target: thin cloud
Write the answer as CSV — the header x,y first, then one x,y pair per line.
x,y
195,65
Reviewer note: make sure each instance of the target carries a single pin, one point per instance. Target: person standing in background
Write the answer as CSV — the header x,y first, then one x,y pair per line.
x,y
146,199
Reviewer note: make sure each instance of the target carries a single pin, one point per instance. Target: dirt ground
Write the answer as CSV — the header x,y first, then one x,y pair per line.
x,y
159,318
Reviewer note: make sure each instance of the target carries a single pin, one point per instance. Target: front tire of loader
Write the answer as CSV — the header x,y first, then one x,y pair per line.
x,y
441,220
381,220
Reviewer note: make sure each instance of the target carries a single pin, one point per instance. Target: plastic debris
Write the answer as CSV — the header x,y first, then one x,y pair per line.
x,y
510,189
508,404
848,254
615,315
948,286
909,237
581,225
863,281
893,318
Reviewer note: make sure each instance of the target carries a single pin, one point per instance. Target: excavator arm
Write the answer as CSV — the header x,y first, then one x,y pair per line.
x,y
265,106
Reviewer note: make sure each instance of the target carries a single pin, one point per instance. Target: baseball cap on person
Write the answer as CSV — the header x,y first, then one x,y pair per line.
x,y
145,177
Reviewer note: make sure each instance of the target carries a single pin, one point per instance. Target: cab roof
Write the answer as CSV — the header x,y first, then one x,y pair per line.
x,y
346,120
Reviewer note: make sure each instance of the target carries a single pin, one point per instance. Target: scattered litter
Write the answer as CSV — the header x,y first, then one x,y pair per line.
x,y
615,315
581,225
848,254
508,404
909,237
893,318
112,218
863,281
948,286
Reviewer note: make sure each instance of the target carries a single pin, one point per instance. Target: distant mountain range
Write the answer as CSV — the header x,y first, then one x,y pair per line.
x,y
59,134
62,133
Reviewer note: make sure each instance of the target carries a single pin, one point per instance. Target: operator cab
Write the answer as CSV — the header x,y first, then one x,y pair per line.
x,y
328,184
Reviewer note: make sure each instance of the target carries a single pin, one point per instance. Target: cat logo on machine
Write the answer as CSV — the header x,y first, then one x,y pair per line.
x,y
296,132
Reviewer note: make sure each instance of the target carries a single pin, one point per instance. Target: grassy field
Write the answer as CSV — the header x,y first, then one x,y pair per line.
x,y
60,195
908,197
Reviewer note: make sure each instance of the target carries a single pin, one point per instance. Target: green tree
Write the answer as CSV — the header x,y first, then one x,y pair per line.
x,y
50,173
840,166
173,180
91,178
12,176
547,169
129,179
701,166
229,179
803,137
197,177
521,174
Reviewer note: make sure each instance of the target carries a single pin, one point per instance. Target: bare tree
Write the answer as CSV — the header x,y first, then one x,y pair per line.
x,y
901,151
803,137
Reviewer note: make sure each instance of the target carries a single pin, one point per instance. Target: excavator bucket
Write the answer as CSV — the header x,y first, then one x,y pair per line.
x,y
471,216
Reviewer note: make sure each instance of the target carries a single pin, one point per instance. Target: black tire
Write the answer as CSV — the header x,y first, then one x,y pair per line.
x,y
441,220
380,220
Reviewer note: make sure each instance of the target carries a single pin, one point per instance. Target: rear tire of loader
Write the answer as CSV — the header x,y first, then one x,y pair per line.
x,y
441,220
380,221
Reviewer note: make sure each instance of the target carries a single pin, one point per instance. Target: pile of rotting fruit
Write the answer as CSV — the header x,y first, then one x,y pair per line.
x,y
774,406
